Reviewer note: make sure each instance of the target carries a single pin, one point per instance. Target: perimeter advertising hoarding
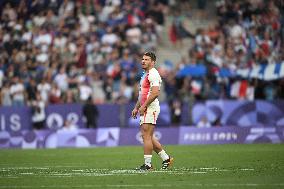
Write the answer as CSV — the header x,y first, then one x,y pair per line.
x,y
13,119
237,113
229,135
240,113
115,136
132,136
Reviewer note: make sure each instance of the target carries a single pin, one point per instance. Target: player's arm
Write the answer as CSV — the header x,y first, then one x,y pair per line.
x,y
137,106
135,110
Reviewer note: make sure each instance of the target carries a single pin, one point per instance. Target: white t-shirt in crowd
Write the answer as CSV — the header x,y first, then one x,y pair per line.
x,y
17,91
44,89
85,92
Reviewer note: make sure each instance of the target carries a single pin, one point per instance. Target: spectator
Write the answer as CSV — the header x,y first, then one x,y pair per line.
x,y
217,122
6,95
91,113
38,112
61,79
44,87
55,95
17,91
69,97
203,122
176,110
97,89
85,91
31,90
68,126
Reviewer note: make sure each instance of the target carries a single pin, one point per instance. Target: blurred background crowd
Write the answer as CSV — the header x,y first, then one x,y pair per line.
x,y
241,35
67,51
64,51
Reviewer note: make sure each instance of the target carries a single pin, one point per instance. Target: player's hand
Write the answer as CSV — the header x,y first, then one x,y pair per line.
x,y
142,110
134,113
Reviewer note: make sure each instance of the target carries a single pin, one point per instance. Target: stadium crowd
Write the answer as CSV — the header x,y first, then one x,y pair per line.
x,y
64,51
67,51
244,35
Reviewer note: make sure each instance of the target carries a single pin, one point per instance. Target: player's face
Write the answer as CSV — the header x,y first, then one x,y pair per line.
x,y
147,63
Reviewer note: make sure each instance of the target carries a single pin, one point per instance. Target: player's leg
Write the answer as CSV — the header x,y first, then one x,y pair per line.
x,y
167,160
157,147
147,130
147,134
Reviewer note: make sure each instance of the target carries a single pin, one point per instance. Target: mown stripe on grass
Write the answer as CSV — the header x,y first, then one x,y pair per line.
x,y
147,185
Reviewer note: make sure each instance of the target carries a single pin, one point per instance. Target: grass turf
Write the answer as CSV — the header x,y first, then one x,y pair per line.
x,y
200,166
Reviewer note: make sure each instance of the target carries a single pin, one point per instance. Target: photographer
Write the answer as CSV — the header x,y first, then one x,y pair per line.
x,y
38,112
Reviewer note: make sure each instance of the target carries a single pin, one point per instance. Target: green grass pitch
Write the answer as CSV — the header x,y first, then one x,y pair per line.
x,y
198,166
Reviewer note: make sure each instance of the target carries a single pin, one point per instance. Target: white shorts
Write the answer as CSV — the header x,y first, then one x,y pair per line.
x,y
150,116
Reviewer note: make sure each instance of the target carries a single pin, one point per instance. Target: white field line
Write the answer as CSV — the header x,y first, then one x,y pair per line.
x,y
246,169
121,170
41,167
216,185
17,172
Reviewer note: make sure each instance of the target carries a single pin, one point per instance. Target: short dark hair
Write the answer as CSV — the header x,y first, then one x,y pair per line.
x,y
151,55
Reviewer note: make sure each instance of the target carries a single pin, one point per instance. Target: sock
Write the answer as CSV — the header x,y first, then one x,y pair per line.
x,y
163,155
148,159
